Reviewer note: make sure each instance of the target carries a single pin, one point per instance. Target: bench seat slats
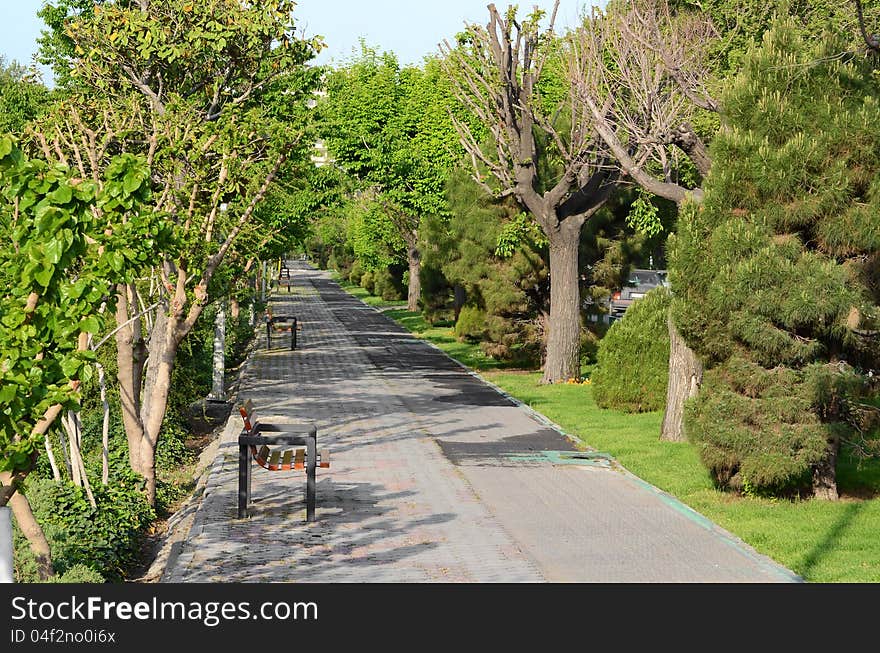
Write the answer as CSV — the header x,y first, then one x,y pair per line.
x,y
276,459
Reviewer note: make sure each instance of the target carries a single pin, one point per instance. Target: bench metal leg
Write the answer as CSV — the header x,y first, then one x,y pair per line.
x,y
293,335
311,465
244,480
268,336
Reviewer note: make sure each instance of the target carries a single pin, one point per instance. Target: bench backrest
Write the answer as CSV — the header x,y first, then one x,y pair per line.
x,y
249,415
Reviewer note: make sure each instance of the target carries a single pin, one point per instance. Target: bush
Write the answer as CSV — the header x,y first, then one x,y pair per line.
x,y
386,286
633,358
740,401
368,282
437,295
471,324
78,574
105,539
356,272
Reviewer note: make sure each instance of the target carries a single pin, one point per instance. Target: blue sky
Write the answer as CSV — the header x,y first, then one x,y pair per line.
x,y
410,29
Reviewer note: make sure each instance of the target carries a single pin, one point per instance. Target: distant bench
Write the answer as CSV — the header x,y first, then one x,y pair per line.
x,y
255,440
285,278
279,324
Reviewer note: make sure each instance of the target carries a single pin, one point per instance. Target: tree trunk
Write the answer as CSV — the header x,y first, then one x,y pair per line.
x,y
825,473
32,531
56,473
414,294
105,426
686,138
168,333
234,309
7,554
685,378
563,340
130,360
459,298
164,342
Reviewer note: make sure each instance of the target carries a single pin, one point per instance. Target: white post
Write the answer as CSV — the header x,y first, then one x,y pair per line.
x,y
6,568
217,391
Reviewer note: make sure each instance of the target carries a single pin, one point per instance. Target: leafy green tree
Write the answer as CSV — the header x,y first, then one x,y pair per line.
x,y
22,97
387,126
72,240
214,94
775,275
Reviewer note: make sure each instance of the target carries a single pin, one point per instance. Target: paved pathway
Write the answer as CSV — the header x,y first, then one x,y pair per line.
x,y
435,477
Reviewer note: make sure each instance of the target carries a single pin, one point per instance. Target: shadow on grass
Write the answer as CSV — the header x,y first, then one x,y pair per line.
x,y
830,544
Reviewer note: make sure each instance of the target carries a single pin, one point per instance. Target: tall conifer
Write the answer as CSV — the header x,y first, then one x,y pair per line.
x,y
776,274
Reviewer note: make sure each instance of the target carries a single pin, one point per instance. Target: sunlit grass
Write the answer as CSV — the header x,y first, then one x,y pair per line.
x,y
822,541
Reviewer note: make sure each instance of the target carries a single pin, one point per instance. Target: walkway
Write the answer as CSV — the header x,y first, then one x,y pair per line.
x,y
435,477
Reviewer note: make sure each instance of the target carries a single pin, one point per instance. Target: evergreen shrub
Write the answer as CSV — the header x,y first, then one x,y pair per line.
x,y
633,357
386,286
471,324
773,274
368,281
356,272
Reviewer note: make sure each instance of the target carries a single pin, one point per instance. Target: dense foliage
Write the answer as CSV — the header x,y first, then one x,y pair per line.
x,y
22,97
387,127
776,275
71,240
633,357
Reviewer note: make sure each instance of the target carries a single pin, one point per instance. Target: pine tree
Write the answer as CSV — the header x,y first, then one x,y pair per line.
x,y
776,274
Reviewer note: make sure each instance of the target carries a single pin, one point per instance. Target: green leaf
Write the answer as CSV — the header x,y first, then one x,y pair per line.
x,y
54,250
90,325
131,182
61,195
70,366
7,393
43,275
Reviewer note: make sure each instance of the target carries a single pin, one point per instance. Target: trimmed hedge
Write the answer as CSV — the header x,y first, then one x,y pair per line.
x,y
632,360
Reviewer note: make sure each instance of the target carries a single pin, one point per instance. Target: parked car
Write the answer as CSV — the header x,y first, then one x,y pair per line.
x,y
637,286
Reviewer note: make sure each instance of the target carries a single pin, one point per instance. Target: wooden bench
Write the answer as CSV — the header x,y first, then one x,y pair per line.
x,y
276,324
285,278
254,443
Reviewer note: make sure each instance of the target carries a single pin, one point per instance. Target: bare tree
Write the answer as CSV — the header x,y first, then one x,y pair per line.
x,y
496,73
642,73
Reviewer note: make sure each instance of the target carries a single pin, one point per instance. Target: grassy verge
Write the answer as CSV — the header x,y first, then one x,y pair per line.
x,y
823,542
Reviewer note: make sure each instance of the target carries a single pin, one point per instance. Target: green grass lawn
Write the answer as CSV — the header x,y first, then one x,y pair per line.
x,y
823,542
